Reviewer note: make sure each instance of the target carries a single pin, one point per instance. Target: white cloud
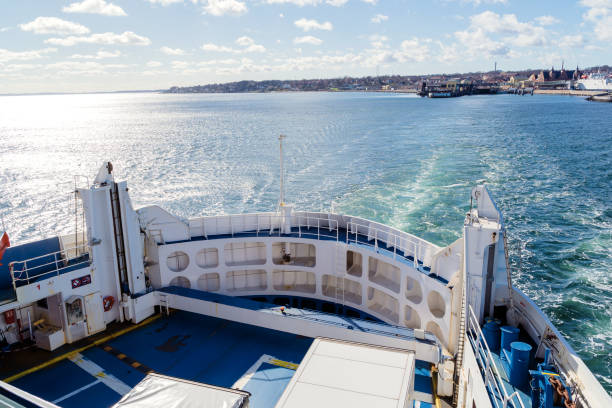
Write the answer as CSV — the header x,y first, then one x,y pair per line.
x,y
302,3
378,41
414,50
477,43
99,55
154,64
172,51
54,25
599,14
308,25
247,42
379,18
308,39
572,41
372,2
6,55
547,20
95,7
165,2
127,38
479,2
223,7
4,29
179,64
381,53
217,48
87,68
507,29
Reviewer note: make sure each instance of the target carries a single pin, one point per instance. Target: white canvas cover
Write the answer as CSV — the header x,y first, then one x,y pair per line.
x,y
159,391
337,373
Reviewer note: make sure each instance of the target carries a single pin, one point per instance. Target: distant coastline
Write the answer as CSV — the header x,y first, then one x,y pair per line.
x,y
396,83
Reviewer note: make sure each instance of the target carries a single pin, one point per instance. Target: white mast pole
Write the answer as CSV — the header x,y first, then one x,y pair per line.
x,y
282,172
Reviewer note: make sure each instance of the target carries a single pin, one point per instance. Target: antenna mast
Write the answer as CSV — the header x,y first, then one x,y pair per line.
x,y
282,171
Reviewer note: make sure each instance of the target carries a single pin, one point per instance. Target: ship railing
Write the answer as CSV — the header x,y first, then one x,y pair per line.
x,y
49,265
492,379
304,226
384,239
315,226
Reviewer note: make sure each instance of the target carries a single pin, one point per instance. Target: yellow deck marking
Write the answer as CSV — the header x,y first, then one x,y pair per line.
x,y
121,356
281,363
135,364
434,386
74,352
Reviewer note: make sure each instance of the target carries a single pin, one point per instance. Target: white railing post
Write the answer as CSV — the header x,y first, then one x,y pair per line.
x,y
337,231
319,228
394,246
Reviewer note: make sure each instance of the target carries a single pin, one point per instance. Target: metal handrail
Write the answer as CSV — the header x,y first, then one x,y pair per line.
x,y
399,241
19,268
354,227
274,222
491,376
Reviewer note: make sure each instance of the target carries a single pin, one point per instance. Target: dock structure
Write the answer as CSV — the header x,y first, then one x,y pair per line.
x,y
452,89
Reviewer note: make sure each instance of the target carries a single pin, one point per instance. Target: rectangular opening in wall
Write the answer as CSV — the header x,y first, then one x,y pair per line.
x,y
245,253
383,304
293,253
207,258
294,281
384,274
354,262
209,282
246,280
341,289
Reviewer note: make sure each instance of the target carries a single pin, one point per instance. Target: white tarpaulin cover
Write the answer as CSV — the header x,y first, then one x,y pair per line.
x,y
158,391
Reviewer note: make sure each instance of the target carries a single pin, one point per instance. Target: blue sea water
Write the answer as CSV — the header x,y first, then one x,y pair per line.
x,y
398,159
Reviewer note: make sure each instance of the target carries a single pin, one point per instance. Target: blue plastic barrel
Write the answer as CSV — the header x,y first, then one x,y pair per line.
x,y
491,335
519,363
509,334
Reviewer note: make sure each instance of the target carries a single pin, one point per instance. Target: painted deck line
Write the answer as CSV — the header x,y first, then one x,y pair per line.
x,y
98,372
184,345
80,350
265,358
242,381
75,392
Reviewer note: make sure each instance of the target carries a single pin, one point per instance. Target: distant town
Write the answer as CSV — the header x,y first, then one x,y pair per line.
x,y
472,82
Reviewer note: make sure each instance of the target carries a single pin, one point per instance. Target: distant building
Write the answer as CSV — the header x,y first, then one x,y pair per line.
x,y
552,75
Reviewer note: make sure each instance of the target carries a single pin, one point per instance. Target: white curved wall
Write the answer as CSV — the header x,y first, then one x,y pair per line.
x,y
391,290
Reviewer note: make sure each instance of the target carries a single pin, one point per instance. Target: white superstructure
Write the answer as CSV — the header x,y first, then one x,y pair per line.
x,y
595,82
433,300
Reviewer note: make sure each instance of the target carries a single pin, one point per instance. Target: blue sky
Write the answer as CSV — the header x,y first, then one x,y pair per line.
x,y
90,45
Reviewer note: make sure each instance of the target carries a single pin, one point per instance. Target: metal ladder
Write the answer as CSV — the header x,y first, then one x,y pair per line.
x,y
164,303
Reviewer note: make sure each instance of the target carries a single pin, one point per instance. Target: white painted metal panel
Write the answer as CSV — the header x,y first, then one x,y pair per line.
x,y
343,374
95,313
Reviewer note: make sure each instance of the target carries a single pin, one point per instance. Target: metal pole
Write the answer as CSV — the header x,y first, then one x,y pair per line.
x,y
282,171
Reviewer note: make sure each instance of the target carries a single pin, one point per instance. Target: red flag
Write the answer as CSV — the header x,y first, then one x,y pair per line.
x,y
4,243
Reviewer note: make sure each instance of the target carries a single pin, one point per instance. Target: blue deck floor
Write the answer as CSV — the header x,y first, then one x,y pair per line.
x,y
185,345
189,346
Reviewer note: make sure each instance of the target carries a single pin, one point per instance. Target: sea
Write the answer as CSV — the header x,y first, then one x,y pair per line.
x,y
395,158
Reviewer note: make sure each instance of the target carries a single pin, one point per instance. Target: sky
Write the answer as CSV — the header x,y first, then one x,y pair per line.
x,y
110,45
